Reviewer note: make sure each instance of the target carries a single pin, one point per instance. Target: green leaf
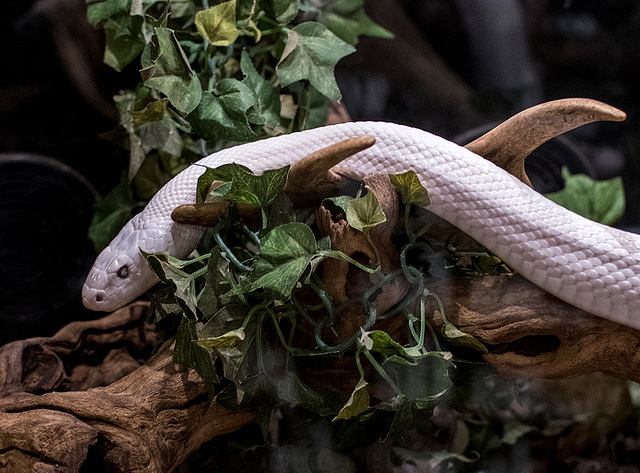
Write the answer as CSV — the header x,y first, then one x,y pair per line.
x,y
170,72
217,282
282,11
111,213
246,187
224,173
218,24
260,190
601,201
285,253
424,380
222,113
152,112
238,361
100,10
457,337
169,270
224,329
312,53
161,135
358,402
409,415
261,393
312,107
348,20
123,41
189,354
364,213
266,110
410,188
248,12
292,389
380,342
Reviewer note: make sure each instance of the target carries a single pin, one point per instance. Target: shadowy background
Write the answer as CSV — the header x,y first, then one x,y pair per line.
x,y
455,68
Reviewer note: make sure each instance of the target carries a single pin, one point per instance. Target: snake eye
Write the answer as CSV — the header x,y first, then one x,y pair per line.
x,y
123,272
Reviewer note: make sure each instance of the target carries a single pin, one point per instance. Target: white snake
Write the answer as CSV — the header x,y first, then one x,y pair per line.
x,y
588,265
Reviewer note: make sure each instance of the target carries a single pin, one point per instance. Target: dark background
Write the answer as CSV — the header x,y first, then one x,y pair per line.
x,y
455,68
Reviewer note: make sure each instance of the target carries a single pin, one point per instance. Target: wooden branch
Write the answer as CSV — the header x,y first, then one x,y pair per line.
x,y
532,333
150,420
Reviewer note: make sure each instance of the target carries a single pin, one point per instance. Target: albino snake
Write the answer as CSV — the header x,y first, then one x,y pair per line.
x,y
588,265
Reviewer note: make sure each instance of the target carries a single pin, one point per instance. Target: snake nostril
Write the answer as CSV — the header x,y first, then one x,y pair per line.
x,y
98,298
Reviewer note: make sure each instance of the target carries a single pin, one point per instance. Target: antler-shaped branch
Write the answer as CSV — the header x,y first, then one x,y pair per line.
x,y
311,179
508,144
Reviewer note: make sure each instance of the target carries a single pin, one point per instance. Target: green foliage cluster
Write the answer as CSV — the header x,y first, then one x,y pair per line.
x,y
238,308
247,281
216,75
600,201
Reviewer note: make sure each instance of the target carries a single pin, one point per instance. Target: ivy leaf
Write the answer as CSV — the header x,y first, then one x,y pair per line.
x,y
246,187
111,213
348,20
457,337
123,41
100,10
224,173
261,190
187,353
262,394
358,402
152,112
169,270
224,329
221,115
247,13
218,24
285,253
410,188
266,110
364,213
423,380
160,135
217,282
311,53
409,415
292,389
312,107
283,11
170,72
380,342
238,360
601,201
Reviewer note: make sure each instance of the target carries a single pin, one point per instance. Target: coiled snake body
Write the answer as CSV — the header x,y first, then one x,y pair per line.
x,y
591,266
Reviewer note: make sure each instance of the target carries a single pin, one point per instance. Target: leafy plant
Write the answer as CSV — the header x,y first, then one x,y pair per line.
x,y
216,75
251,280
601,201
240,306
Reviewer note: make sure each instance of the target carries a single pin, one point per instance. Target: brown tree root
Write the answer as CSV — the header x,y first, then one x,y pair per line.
x,y
149,420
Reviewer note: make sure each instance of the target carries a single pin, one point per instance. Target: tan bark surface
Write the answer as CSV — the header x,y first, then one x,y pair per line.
x,y
149,420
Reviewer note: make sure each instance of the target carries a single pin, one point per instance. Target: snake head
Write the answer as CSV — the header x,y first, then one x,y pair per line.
x,y
119,274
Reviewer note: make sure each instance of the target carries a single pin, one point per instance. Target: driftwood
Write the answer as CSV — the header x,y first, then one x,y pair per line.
x,y
150,420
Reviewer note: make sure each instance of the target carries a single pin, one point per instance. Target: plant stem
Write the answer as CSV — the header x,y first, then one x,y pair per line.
x,y
382,372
